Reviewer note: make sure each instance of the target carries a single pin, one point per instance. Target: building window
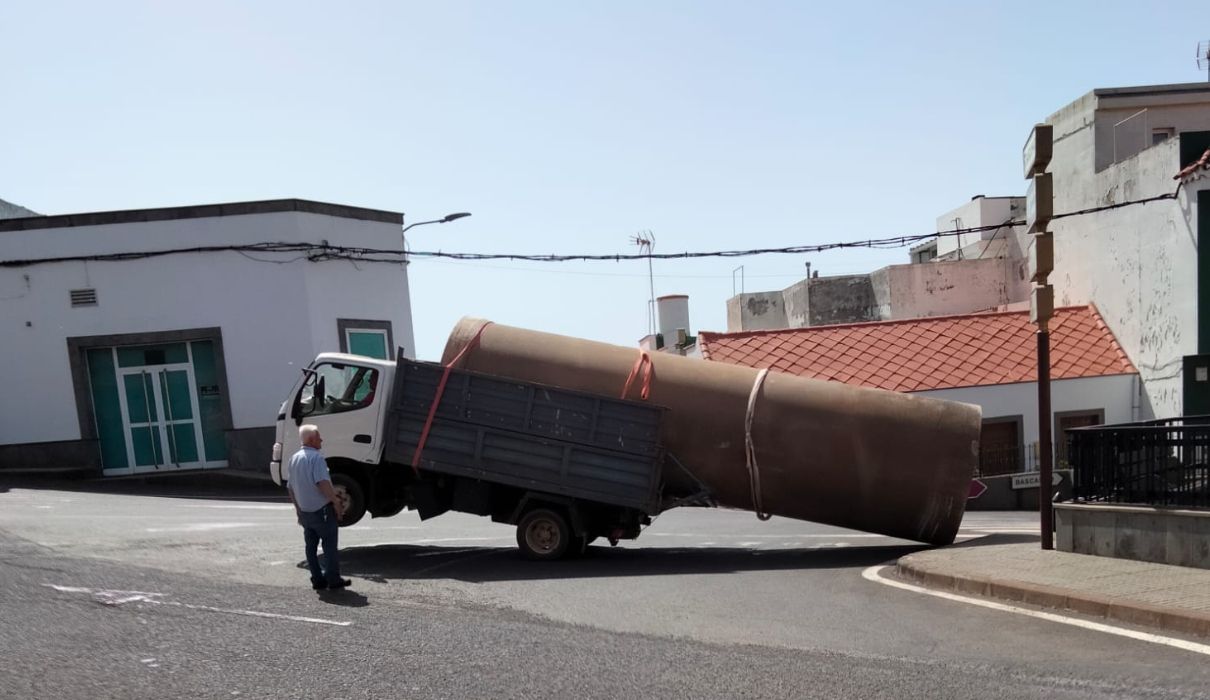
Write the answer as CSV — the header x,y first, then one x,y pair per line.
x,y
925,254
1161,135
1066,420
1000,446
366,338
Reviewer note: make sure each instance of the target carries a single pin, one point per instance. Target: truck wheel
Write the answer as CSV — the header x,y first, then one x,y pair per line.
x,y
351,496
543,535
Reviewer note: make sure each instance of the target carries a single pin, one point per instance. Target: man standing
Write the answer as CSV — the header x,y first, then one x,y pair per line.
x,y
318,509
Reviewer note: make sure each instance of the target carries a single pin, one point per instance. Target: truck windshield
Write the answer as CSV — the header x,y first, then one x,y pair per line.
x,y
336,388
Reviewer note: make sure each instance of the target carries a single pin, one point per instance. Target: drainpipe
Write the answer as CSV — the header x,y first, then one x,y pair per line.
x,y
1136,401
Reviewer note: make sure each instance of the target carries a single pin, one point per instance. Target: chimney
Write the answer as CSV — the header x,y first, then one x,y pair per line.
x,y
673,312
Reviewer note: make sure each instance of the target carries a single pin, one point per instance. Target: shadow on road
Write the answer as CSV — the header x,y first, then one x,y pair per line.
x,y
345,598
212,485
997,539
383,563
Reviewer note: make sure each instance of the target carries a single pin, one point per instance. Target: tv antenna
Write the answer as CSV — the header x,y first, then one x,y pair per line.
x,y
645,240
1203,57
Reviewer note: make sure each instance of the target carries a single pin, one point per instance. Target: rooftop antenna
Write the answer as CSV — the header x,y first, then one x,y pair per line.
x,y
1203,57
645,240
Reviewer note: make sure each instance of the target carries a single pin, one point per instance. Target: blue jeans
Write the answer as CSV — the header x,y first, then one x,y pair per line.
x,y
321,526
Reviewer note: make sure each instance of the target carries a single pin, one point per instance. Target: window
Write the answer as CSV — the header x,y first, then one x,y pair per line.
x,y
1000,446
365,337
367,342
336,388
1066,420
1162,134
925,254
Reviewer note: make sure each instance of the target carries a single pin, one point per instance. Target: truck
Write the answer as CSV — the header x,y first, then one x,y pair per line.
x,y
571,440
565,467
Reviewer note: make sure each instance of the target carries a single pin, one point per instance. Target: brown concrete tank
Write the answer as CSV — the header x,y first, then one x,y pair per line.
x,y
865,459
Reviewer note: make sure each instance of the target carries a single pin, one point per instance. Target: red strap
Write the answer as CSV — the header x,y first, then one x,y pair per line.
x,y
644,362
445,377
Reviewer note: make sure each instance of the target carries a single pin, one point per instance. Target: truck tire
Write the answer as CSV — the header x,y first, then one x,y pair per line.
x,y
543,535
351,495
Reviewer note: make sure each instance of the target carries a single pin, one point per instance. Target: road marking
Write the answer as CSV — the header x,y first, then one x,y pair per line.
x,y
834,535
200,527
873,574
107,597
245,507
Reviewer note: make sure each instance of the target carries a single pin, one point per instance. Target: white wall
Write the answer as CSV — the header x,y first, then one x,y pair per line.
x,y
946,288
274,317
1113,394
980,211
1138,265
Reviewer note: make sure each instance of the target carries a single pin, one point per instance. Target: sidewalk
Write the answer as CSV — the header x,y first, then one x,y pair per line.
x,y
1172,598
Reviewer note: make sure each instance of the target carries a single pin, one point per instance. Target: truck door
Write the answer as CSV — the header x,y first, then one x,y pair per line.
x,y
341,400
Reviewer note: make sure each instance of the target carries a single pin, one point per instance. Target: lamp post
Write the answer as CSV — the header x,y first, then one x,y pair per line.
x,y
443,220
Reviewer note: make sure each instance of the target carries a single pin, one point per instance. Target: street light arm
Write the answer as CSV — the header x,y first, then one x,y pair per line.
x,y
443,220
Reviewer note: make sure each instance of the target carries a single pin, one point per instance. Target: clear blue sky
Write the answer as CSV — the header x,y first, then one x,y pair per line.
x,y
566,126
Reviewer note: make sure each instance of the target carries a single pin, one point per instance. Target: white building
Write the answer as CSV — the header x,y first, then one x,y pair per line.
x,y
124,358
1141,264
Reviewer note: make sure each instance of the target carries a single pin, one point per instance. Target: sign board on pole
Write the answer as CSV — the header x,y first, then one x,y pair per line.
x,y
1038,148
1041,304
1032,479
976,489
1039,203
1041,257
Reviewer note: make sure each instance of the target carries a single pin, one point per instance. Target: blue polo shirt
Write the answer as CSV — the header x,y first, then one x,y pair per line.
x,y
308,468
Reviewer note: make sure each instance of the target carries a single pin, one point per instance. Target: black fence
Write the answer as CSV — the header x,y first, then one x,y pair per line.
x,y
997,460
1156,463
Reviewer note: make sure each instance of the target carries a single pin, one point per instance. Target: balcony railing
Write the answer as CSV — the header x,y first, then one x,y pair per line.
x,y
1155,463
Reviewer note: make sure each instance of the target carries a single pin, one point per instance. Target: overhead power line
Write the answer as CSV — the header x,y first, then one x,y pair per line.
x,y
315,252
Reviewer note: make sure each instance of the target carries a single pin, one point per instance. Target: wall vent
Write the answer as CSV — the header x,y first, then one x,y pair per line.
x,y
83,297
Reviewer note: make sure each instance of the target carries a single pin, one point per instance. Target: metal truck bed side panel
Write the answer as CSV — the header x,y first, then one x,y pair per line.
x,y
500,431
536,409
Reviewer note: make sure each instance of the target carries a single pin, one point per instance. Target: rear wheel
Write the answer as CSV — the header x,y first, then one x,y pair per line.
x,y
351,495
543,535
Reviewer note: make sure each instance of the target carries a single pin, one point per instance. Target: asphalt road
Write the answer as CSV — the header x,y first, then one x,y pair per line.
x,y
140,592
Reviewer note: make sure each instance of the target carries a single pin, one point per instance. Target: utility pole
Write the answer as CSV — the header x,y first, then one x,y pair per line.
x,y
1039,209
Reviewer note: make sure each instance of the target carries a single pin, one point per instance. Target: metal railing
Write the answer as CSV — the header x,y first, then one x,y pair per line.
x,y
1156,463
1006,459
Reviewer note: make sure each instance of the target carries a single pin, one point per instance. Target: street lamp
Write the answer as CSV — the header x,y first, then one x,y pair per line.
x,y
443,220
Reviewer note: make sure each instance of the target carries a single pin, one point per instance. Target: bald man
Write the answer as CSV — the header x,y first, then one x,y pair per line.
x,y
318,509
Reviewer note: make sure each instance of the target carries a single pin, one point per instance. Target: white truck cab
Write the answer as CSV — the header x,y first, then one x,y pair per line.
x,y
344,396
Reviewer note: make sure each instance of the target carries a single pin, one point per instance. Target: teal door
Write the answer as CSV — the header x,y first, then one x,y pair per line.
x,y
157,407
160,418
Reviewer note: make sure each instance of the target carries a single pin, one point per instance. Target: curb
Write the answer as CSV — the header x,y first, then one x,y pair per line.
x,y
1187,622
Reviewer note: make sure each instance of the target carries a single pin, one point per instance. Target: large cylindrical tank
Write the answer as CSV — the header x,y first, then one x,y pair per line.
x,y
865,459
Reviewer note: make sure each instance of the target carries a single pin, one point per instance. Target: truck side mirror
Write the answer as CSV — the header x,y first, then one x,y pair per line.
x,y
296,409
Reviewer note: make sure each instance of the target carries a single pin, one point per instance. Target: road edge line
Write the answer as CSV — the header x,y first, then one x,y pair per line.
x,y
873,573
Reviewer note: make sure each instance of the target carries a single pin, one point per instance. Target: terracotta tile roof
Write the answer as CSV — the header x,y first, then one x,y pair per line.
x,y
930,353
1201,164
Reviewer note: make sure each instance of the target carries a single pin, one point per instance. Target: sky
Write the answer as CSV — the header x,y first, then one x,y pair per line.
x,y
566,127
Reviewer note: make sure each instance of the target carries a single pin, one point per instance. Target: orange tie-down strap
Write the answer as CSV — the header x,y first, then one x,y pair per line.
x,y
644,366
445,376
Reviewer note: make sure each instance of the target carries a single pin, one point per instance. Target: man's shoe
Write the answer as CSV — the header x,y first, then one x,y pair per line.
x,y
342,583
319,586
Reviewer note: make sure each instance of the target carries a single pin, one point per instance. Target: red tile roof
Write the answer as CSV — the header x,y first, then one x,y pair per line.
x,y
1202,163
930,353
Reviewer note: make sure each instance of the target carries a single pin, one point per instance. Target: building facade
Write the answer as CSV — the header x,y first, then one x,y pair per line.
x,y
1140,264
152,340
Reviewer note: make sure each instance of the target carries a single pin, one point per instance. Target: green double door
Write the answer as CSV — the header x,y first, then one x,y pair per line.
x,y
155,407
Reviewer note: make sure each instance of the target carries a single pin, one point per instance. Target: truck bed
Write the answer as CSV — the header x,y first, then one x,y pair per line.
x,y
527,435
